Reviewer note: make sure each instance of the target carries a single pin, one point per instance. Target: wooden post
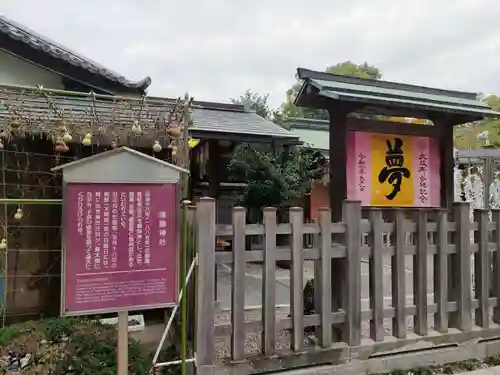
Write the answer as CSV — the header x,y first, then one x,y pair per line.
x,y
496,266
441,273
338,193
352,219
205,229
461,269
420,275
238,287
398,268
297,282
323,279
482,268
269,283
376,275
446,155
191,287
122,347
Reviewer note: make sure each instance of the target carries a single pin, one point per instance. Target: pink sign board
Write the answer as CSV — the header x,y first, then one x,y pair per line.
x,y
120,247
391,170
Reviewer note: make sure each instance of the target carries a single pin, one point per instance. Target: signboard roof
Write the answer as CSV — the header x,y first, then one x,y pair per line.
x,y
120,165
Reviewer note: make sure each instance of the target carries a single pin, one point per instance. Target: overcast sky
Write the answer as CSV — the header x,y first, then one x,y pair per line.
x,y
215,49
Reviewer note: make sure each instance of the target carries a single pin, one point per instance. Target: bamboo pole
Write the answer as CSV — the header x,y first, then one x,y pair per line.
x,y
185,234
5,236
18,201
44,90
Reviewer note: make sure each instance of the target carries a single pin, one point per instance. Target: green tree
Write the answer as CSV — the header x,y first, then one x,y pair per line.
x,y
465,136
346,68
277,178
257,102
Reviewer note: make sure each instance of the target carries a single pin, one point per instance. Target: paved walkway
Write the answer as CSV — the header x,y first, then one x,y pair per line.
x,y
253,282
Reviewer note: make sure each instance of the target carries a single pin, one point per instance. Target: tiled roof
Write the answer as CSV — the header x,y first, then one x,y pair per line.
x,y
313,133
369,92
237,121
38,42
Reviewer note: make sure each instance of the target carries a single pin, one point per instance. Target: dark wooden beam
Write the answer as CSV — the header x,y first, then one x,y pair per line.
x,y
338,160
213,169
444,137
240,138
389,127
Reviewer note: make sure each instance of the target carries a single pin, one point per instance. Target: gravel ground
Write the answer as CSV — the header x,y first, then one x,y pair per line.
x,y
253,339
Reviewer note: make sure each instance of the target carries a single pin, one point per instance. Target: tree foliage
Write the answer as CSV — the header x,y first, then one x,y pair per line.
x,y
346,68
258,103
281,178
465,136
275,178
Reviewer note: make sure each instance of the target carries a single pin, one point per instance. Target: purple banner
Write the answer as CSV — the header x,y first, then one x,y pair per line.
x,y
120,247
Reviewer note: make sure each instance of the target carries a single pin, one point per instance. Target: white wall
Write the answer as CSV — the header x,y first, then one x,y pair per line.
x,y
14,71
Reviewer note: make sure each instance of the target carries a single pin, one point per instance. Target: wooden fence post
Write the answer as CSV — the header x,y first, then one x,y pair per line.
x,y
238,287
205,229
297,282
420,275
482,268
351,212
191,287
376,275
461,268
323,278
398,277
496,266
441,273
269,283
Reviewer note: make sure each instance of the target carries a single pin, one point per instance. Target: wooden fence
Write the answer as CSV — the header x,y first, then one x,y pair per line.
x,y
456,314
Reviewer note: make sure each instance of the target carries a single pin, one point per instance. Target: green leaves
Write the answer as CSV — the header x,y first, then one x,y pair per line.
x,y
346,68
76,346
274,179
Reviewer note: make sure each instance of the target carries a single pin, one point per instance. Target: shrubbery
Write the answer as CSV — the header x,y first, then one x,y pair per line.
x,y
67,346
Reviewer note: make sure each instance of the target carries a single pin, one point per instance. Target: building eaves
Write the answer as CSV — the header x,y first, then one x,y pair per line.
x,y
36,41
384,93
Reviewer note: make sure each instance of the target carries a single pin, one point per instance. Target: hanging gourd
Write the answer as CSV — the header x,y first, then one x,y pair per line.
x,y
87,140
101,130
15,123
136,128
1,145
67,137
62,128
174,132
19,214
60,148
174,151
157,146
3,244
113,144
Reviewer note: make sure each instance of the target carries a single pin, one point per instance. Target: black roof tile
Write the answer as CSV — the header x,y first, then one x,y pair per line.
x,y
38,42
